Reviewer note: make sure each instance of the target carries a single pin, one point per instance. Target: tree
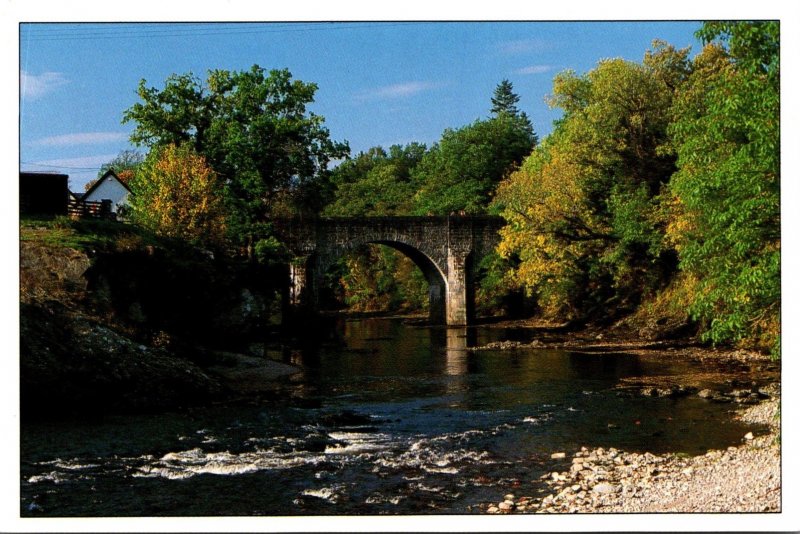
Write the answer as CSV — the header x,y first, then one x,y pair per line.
x,y
461,171
254,130
176,194
375,183
583,208
505,99
726,220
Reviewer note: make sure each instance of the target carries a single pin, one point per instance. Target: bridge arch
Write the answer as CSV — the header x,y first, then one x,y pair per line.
x,y
442,247
434,273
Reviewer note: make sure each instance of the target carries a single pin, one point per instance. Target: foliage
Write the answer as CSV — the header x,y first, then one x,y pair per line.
x,y
176,194
662,180
496,291
461,171
582,208
727,136
380,278
505,99
753,46
375,183
254,130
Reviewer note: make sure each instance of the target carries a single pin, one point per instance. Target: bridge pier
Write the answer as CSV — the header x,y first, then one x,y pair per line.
x,y
458,307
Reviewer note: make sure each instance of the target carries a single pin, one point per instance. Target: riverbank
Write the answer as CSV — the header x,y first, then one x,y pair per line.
x,y
743,478
113,320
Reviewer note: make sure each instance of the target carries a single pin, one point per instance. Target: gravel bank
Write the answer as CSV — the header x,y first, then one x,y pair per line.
x,y
746,478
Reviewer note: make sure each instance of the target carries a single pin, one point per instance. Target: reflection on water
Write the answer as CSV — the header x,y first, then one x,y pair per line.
x,y
456,351
395,419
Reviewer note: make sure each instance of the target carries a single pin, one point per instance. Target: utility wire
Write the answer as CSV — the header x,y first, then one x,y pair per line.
x,y
59,166
175,30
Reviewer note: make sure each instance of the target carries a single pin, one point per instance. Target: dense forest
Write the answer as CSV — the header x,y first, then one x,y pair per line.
x,y
657,192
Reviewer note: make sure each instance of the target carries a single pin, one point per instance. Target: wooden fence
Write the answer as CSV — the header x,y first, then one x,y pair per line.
x,y
87,208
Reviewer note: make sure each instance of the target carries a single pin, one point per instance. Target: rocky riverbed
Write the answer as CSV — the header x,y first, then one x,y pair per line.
x,y
745,478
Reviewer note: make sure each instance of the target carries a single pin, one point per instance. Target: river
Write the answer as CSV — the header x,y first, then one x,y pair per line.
x,y
391,419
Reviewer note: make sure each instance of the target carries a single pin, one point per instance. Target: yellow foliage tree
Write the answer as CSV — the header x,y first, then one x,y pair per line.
x,y
176,194
583,233
547,230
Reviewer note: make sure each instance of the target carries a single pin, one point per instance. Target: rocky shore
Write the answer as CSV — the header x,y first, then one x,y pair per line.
x,y
744,478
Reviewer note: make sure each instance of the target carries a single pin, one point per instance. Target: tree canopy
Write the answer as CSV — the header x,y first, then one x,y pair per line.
x,y
375,182
176,194
461,171
726,134
254,130
660,173
581,208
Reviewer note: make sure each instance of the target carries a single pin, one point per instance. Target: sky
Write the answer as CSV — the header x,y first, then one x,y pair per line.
x,y
380,83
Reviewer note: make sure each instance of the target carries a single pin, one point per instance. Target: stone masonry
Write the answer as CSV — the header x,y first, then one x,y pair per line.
x,y
446,249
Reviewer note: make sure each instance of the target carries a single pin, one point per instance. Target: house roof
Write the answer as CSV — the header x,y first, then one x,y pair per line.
x,y
109,173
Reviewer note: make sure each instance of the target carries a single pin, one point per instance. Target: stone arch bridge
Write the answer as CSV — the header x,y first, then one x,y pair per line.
x,y
446,249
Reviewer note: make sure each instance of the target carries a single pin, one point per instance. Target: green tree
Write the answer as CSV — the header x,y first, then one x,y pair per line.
x,y
726,216
375,183
461,171
504,102
505,99
254,129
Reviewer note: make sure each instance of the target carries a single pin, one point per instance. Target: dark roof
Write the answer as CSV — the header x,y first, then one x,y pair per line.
x,y
35,174
108,173
76,194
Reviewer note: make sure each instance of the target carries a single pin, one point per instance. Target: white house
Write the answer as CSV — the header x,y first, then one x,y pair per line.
x,y
108,187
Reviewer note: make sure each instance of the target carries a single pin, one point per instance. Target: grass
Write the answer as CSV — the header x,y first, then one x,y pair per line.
x,y
83,234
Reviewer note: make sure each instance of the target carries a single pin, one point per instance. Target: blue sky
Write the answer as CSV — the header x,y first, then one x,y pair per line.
x,y
380,83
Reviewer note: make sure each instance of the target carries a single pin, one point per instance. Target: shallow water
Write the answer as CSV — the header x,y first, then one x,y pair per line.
x,y
394,419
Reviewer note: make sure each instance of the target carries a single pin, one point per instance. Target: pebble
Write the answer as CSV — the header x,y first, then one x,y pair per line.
x,y
737,479
558,455
604,488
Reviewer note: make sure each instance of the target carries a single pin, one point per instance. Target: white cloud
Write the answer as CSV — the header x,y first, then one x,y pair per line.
x,y
86,138
33,86
523,46
534,69
399,90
